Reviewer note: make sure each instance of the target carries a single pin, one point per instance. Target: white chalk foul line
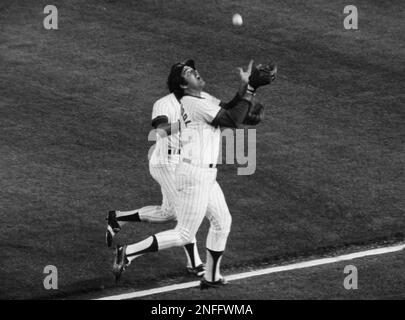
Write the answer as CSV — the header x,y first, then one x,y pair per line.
x,y
238,276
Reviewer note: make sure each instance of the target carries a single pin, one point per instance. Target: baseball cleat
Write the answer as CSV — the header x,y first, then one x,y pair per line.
x,y
198,271
120,262
113,227
205,284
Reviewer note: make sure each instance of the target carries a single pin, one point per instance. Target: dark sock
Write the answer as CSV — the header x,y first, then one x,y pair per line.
x,y
190,251
152,248
132,217
215,255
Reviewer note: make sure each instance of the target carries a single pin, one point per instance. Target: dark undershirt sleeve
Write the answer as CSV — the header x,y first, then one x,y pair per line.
x,y
159,120
230,104
223,120
232,117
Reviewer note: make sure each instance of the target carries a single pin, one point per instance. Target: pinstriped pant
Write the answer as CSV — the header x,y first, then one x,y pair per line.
x,y
199,196
165,176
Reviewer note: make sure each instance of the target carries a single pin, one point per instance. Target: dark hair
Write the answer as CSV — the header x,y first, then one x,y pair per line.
x,y
175,80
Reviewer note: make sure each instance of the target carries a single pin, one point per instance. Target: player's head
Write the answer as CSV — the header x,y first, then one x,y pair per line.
x,y
183,76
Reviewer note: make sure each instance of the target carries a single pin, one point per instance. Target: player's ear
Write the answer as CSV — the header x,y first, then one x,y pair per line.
x,y
183,83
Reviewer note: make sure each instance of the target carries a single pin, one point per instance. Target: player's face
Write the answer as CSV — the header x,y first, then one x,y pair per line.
x,y
193,79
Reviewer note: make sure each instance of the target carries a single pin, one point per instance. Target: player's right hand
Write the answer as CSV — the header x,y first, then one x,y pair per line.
x,y
244,75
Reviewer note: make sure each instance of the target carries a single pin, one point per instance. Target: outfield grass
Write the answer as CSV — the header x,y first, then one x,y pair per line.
x,y
75,114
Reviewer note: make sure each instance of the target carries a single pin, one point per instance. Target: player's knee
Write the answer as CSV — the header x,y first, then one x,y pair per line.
x,y
168,213
184,235
226,223
170,216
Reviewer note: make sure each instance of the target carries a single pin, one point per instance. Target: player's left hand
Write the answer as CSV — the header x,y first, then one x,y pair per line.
x,y
244,75
262,75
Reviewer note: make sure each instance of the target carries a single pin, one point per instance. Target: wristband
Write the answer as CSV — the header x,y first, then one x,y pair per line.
x,y
250,89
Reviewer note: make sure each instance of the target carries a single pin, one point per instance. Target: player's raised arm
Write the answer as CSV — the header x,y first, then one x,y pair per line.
x,y
187,82
241,109
244,80
230,118
262,74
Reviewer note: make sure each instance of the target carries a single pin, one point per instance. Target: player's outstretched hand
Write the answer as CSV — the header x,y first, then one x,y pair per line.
x,y
262,75
244,75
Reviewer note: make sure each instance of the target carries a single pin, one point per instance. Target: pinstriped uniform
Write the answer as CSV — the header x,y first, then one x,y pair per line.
x,y
199,194
162,165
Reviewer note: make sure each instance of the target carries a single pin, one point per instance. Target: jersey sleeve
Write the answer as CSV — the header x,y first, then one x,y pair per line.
x,y
159,110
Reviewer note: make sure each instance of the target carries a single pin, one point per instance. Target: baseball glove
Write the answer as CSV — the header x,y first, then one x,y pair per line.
x,y
262,75
254,115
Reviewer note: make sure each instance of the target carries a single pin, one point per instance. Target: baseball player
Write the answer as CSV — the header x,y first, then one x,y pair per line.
x,y
165,156
166,115
199,194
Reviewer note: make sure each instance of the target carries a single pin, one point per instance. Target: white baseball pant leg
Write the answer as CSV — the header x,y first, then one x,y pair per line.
x,y
199,196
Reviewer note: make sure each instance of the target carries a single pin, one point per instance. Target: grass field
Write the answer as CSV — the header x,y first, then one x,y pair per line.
x,y
75,108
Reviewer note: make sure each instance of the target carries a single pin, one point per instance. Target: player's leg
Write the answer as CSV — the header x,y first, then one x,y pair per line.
x,y
194,263
167,181
164,176
151,214
220,225
117,219
154,214
191,208
160,241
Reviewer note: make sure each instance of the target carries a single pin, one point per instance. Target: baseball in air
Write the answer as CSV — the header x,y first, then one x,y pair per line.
x,y
237,19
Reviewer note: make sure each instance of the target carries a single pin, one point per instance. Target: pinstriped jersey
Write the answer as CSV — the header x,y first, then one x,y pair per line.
x,y
200,140
167,106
